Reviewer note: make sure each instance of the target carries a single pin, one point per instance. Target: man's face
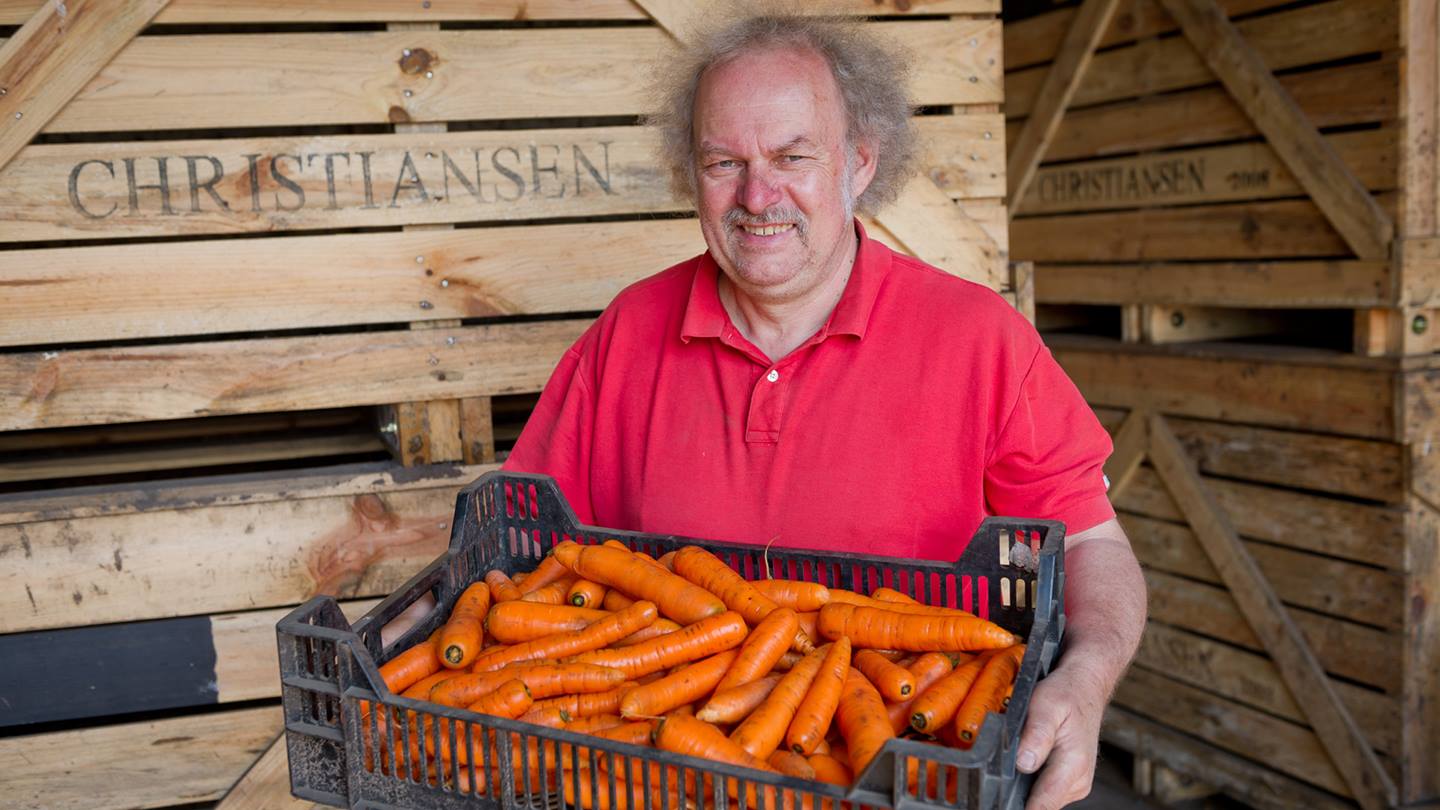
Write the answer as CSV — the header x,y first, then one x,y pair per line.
x,y
775,188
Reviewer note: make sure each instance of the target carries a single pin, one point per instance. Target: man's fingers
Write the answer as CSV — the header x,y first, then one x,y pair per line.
x,y
1038,737
1066,778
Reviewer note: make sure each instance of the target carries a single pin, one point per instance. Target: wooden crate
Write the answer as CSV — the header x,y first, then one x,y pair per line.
x,y
1231,210
278,279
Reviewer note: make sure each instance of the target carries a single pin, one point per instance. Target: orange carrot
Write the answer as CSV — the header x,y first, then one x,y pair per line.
x,y
988,692
844,597
764,646
585,593
462,635
542,679
511,700
893,681
788,661
926,670
892,595
420,690
937,705
588,704
659,627
520,621
812,718
667,561
547,716
831,770
677,598
549,570
886,629
687,685
604,632
594,723
791,764
697,738
701,639
862,721
615,600
709,572
556,593
798,596
761,733
733,704
502,589
402,671
809,620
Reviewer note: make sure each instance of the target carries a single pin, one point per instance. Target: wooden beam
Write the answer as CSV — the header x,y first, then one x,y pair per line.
x,y
930,226
1062,79
1366,228
1420,696
1291,284
1309,685
1175,323
266,786
54,55
1420,88
671,15
1132,441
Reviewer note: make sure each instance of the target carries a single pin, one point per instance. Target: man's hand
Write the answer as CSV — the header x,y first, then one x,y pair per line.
x,y
1105,615
1062,731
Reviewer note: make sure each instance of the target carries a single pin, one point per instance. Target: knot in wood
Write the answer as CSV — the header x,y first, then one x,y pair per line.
x,y
415,61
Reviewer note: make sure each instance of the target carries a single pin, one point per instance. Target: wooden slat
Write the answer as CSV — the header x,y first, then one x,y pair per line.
x,y
1242,386
1420,85
1062,79
14,12
1131,445
1368,534
1351,94
1037,39
61,47
218,429
1271,622
1420,728
1255,783
1287,747
138,291
224,556
1349,207
148,764
216,81
1302,460
54,389
477,430
1262,230
1350,650
1252,679
1310,34
1286,284
1333,587
931,226
1185,323
266,786
81,191
1247,171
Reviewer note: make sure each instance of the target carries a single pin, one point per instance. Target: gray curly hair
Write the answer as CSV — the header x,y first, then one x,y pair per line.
x,y
871,73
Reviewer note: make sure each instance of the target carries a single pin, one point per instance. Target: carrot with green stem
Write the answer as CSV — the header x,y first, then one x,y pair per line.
x,y
762,648
585,593
736,703
862,720
463,634
890,630
894,682
763,731
687,685
988,693
606,631
676,597
817,709
703,638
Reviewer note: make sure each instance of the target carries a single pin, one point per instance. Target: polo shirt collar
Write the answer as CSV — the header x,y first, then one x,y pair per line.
x,y
705,316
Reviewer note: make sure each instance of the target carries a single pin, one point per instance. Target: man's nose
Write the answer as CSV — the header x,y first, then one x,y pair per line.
x,y
758,191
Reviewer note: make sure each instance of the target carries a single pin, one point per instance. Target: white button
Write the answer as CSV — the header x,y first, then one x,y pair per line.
x,y
773,375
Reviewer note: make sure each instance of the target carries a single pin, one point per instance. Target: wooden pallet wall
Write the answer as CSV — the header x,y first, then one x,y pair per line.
x,y
277,279
1230,206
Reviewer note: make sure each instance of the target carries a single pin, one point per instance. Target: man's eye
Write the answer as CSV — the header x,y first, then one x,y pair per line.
x,y
725,164
791,158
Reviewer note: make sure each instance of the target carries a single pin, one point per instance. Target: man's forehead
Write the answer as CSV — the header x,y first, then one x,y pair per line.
x,y
780,144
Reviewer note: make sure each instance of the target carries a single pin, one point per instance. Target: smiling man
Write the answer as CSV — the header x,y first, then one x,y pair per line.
x,y
802,384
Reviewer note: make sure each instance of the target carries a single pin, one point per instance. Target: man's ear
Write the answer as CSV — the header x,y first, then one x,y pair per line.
x,y
863,170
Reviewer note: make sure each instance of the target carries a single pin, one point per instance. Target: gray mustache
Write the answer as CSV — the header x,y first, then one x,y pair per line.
x,y
737,217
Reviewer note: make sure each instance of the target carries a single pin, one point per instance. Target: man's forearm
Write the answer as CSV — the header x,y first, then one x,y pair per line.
x,y
1104,605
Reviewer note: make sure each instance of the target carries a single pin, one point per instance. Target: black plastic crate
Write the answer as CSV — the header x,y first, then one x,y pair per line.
x,y
352,743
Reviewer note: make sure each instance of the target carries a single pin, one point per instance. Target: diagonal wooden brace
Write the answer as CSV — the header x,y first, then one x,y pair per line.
x,y
1302,673
1132,441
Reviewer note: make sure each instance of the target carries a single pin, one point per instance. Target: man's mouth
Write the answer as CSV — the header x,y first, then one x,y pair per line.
x,y
767,230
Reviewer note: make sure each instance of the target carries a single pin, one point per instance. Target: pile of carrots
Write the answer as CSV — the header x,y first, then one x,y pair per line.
x,y
683,654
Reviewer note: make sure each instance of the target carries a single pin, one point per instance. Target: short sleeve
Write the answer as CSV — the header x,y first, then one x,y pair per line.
x,y
1048,461
557,438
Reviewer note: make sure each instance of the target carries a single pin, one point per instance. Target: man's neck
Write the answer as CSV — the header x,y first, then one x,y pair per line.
x,y
779,327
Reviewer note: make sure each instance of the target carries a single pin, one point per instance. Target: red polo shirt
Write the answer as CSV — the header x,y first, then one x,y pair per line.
x,y
922,405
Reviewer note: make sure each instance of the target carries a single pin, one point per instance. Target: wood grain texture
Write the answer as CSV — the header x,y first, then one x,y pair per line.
x,y
57,52
1310,34
1366,228
217,81
1420,86
266,786
226,556
928,224
1256,388
1341,738
1261,786
1247,171
14,12
91,386
185,760
1281,284
1351,94
1062,79
1420,708
1131,445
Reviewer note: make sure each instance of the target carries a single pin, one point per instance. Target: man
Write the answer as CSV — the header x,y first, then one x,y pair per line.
x,y
803,385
